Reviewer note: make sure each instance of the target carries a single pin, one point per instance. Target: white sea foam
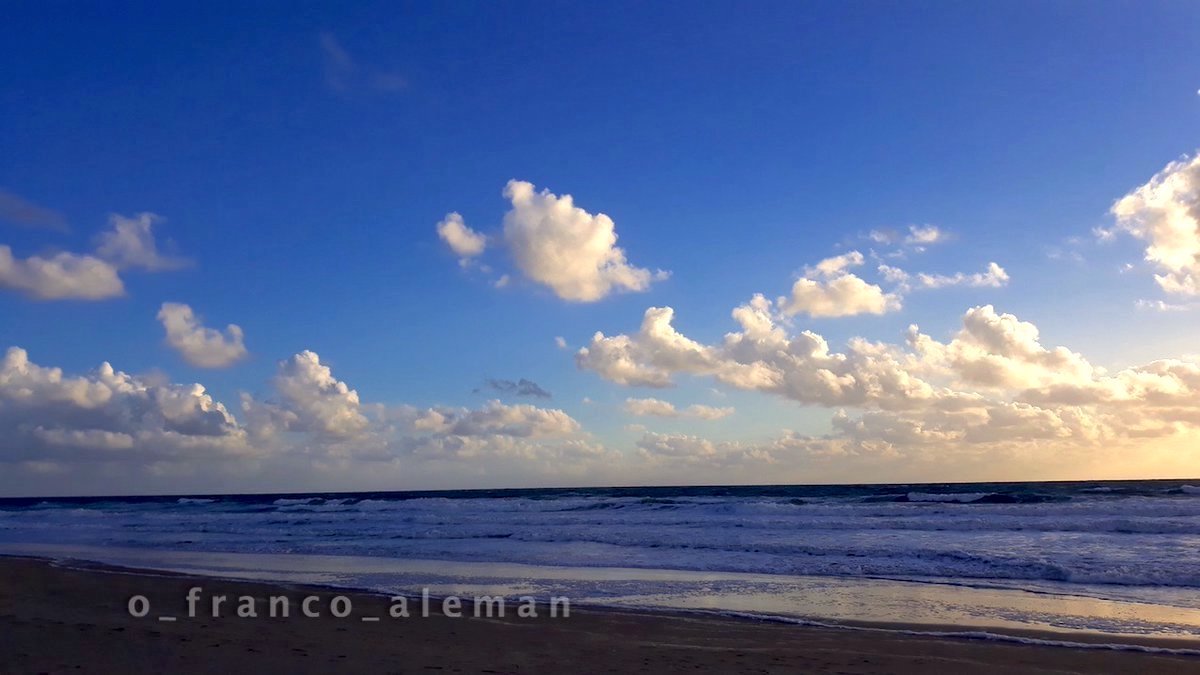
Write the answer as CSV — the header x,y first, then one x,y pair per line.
x,y
961,498
967,634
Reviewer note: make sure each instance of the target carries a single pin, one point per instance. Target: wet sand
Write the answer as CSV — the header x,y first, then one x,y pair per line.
x,y
76,620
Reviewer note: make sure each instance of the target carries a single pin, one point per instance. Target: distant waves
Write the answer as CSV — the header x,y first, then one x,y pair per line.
x,y
1088,536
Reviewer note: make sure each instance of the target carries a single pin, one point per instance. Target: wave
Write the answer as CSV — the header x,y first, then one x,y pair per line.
x,y
982,498
965,498
961,498
598,506
963,634
285,502
1139,535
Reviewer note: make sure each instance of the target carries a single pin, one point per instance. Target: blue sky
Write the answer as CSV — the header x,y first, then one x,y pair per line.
x,y
300,157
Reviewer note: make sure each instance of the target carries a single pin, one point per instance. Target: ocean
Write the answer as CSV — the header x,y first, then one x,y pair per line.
x,y
1120,558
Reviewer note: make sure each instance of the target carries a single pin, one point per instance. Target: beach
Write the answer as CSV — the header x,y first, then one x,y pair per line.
x,y
62,618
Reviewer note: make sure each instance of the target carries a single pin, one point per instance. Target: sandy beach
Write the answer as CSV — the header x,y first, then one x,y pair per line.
x,y
66,619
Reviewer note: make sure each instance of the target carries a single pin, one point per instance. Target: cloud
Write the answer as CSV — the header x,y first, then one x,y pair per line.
x,y
63,276
994,277
310,400
495,418
130,244
903,282
19,211
652,407
643,407
785,452
316,400
924,235
1165,213
465,242
707,412
560,342
763,358
344,74
990,396
1000,351
567,249
507,454
336,424
649,358
829,290
555,244
522,387
107,415
73,276
883,236
836,265
201,346
1161,306
676,446
917,237
845,295
993,384
107,428
760,358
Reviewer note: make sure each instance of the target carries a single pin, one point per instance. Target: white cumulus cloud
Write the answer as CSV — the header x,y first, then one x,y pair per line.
x,y
829,290
106,415
678,447
652,407
1165,213
201,346
63,276
563,247
495,418
924,235
73,276
994,277
465,242
993,384
107,428
318,401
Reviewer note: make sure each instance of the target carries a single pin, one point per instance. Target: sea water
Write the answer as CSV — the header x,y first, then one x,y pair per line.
x,y
1121,558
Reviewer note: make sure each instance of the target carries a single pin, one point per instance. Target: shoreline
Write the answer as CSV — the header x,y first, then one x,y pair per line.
x,y
864,604
1078,639
62,598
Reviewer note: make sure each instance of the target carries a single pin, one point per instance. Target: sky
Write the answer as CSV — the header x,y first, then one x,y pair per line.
x,y
299,246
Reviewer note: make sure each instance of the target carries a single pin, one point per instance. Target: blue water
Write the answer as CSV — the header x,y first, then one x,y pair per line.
x,y
1130,541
